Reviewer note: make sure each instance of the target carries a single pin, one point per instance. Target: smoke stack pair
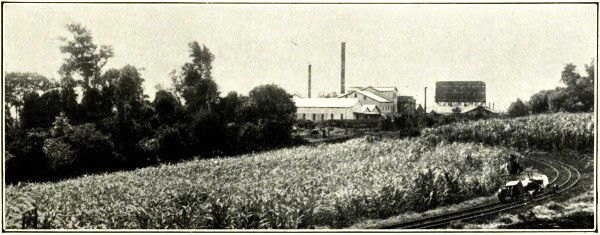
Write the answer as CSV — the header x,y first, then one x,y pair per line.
x,y
343,73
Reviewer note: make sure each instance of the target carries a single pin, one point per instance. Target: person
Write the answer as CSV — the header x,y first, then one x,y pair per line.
x,y
513,166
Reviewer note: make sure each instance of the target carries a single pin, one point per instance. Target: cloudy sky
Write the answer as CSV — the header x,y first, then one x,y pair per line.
x,y
516,49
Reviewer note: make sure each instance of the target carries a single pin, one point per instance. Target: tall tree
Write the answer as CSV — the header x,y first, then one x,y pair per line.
x,y
580,89
569,76
69,97
129,94
586,88
17,85
274,110
197,86
85,58
202,59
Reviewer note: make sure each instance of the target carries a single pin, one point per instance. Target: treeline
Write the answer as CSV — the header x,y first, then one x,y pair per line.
x,y
576,96
51,135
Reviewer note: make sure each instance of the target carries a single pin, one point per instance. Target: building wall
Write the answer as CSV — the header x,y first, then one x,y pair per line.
x,y
321,114
389,95
406,105
385,108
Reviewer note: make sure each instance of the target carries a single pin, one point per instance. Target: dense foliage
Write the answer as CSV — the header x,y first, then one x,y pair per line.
x,y
559,131
304,187
114,126
576,96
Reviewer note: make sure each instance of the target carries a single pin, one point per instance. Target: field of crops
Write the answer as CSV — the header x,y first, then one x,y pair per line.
x,y
328,186
559,131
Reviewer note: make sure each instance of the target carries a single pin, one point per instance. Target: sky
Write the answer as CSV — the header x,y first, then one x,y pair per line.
x,y
516,49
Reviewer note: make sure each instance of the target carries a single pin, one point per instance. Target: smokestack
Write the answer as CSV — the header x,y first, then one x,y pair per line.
x,y
343,68
309,80
425,109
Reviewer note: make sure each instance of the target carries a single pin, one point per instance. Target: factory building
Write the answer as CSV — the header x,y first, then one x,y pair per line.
x,y
358,103
322,109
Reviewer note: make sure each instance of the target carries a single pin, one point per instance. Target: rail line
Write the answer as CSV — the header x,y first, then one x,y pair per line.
x,y
485,210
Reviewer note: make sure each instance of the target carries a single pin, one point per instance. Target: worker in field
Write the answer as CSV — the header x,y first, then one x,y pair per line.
x,y
513,166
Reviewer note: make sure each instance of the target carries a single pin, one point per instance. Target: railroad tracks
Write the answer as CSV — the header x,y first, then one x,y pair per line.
x,y
565,175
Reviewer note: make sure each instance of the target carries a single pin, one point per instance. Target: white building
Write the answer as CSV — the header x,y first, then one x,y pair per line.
x,y
385,98
322,109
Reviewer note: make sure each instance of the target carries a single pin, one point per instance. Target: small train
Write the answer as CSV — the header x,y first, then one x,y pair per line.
x,y
525,186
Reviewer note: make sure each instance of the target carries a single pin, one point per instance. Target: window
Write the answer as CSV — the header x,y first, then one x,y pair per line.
x,y
304,116
364,97
322,116
342,116
314,116
354,95
332,116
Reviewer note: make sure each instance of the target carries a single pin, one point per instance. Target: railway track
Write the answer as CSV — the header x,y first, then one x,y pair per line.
x,y
567,180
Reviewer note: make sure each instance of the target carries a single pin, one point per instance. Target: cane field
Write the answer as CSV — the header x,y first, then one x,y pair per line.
x,y
550,132
323,186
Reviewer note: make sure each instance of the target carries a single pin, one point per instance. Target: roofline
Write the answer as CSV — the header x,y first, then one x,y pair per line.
x,y
386,100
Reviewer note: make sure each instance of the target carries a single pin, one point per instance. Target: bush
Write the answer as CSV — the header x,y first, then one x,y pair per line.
x,y
207,132
27,161
80,150
171,146
518,109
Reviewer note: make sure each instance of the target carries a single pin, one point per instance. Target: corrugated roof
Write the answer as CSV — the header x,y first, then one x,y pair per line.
x,y
325,102
370,95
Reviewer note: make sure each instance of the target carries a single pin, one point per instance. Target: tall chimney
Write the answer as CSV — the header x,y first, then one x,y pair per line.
x,y
309,80
425,108
343,68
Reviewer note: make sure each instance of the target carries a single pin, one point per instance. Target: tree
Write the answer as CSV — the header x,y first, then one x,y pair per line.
x,y
69,97
517,109
196,84
586,88
539,102
32,110
202,59
166,106
579,91
94,106
229,107
569,77
199,94
129,94
17,85
84,57
274,111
